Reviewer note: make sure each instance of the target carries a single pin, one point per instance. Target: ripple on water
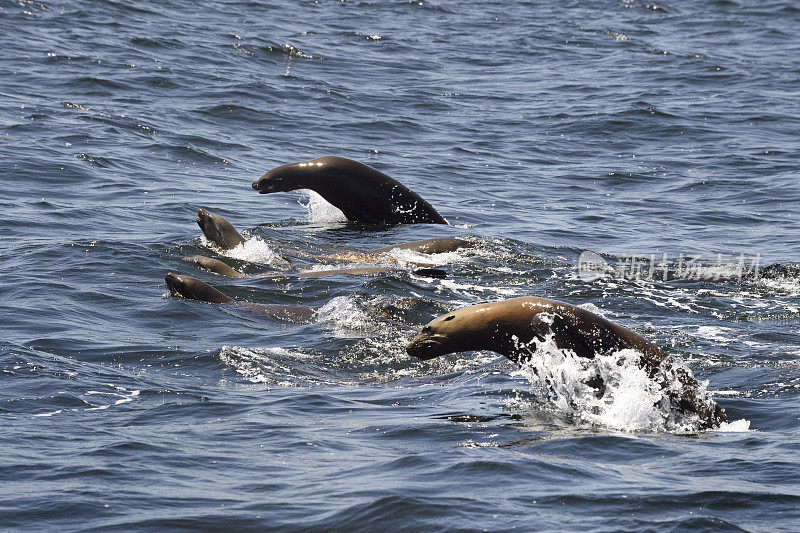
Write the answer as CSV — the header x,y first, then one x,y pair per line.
x,y
628,129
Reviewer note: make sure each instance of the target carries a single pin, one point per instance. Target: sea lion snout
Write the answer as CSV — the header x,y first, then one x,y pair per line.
x,y
202,217
174,283
268,183
426,345
264,187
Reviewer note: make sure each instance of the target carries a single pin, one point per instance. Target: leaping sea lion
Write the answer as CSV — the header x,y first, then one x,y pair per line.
x,y
509,327
362,193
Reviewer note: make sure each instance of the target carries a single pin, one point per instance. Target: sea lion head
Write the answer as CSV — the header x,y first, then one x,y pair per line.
x,y
218,230
176,284
464,330
306,174
193,289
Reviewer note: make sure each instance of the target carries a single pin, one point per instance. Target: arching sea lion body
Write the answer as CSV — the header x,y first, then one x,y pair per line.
x,y
362,193
510,326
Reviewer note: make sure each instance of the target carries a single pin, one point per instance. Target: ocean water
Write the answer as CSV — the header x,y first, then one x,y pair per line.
x,y
655,142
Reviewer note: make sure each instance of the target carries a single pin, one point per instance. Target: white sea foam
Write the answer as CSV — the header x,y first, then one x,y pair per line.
x,y
728,392
252,250
788,286
715,333
589,306
470,289
344,317
51,413
631,400
104,399
403,256
100,400
272,366
320,211
735,426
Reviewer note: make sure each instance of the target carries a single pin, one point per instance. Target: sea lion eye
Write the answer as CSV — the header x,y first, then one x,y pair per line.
x,y
451,317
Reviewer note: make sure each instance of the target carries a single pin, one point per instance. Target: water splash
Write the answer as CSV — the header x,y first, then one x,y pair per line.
x,y
271,366
345,317
736,426
787,286
629,400
411,257
320,211
253,250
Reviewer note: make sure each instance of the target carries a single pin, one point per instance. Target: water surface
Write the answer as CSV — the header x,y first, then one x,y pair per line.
x,y
664,133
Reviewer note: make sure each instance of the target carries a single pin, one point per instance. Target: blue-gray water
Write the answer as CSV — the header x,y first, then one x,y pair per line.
x,y
542,129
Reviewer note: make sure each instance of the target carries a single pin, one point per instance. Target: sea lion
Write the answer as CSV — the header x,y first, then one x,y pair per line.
x,y
214,265
364,271
223,234
218,267
194,289
362,193
218,230
509,327
428,246
439,245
